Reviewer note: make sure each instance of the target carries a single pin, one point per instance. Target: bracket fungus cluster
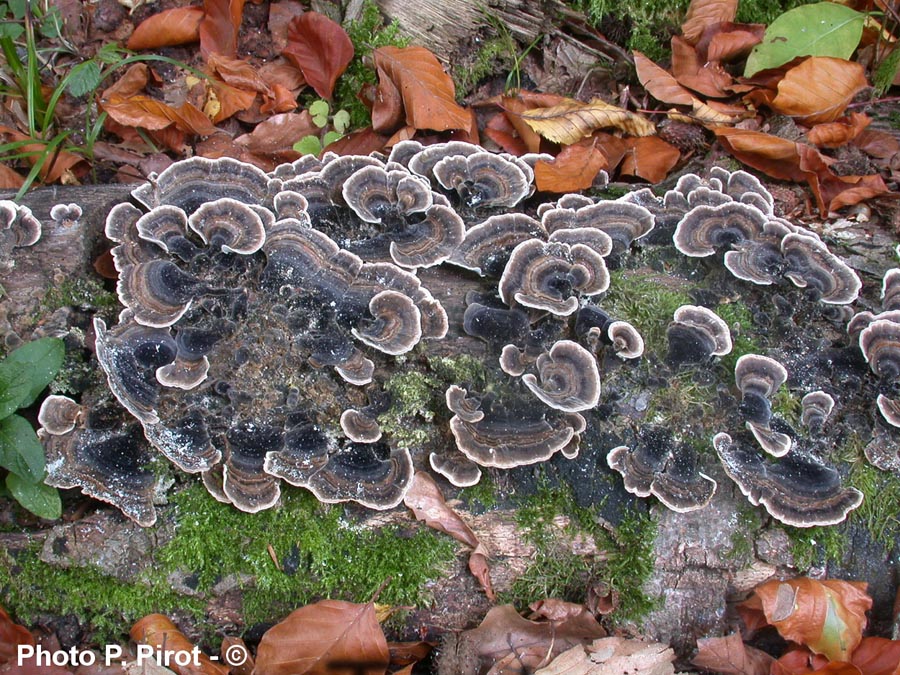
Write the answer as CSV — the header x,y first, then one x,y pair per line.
x,y
265,315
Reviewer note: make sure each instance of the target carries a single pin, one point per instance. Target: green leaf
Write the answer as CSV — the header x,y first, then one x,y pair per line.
x,y
308,145
331,137
42,500
37,363
111,53
11,30
341,121
14,388
318,110
20,450
822,29
17,7
83,78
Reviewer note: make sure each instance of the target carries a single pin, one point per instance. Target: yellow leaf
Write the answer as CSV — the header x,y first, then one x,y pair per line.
x,y
572,120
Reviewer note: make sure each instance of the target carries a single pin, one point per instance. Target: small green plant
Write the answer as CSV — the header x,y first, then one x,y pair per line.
x,y
320,112
24,374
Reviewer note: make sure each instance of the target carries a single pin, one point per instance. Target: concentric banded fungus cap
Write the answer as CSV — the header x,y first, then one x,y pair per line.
x,y
455,467
375,194
593,238
889,409
890,290
759,262
229,225
623,221
396,327
467,408
359,427
817,407
107,461
809,263
626,340
705,229
371,474
157,292
796,489
18,228
773,442
659,467
430,239
514,361
424,160
743,187
58,414
506,438
483,180
66,215
549,275
880,345
486,247
568,378
758,375
695,335
195,181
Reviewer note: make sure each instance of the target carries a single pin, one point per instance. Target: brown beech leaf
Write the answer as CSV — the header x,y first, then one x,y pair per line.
x,y
573,169
148,113
840,132
327,637
819,89
788,160
160,633
704,13
9,180
500,130
650,158
797,661
219,27
320,48
237,73
697,74
573,120
59,167
130,84
559,612
359,142
613,656
387,106
877,143
827,616
427,92
236,643
730,656
729,41
275,137
513,107
167,28
877,656
11,636
660,83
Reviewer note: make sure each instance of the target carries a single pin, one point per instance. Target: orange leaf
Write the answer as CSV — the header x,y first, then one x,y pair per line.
x,y
659,83
513,106
730,656
57,167
237,73
359,142
146,112
327,637
219,27
878,144
427,503
797,661
387,106
160,633
706,77
130,84
320,48
840,132
167,28
274,138
650,158
574,168
280,100
729,41
826,616
428,94
877,656
819,89
9,180
704,13
12,635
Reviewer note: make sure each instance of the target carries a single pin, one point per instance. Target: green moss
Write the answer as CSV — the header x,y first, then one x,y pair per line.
x,y
31,587
816,546
739,319
367,33
483,493
765,11
558,572
320,553
496,54
646,302
82,292
742,538
880,510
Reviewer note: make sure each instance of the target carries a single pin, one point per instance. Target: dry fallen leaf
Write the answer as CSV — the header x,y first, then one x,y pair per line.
x,y
170,27
729,41
57,165
148,113
320,48
877,656
840,132
513,107
274,138
427,503
219,27
12,635
160,633
427,92
650,158
826,616
573,169
702,14
819,89
570,121
613,656
359,142
730,656
661,84
697,74
10,180
324,638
